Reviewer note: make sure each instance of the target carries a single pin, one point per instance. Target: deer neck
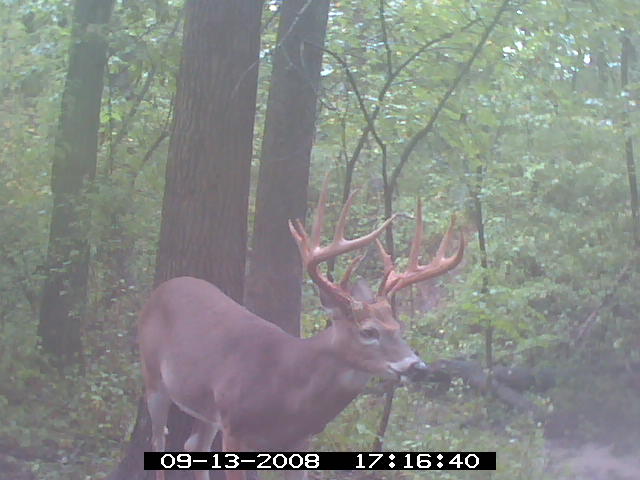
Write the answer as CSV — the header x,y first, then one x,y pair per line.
x,y
331,359
314,384
325,381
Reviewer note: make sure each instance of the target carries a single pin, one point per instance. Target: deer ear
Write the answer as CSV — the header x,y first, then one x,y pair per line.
x,y
342,312
362,292
331,306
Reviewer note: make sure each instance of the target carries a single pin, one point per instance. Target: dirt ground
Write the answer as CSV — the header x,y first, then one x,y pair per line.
x,y
592,461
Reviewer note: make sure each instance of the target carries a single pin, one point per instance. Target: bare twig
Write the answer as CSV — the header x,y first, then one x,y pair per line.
x,y
164,133
384,420
585,328
147,156
278,45
139,97
385,38
356,91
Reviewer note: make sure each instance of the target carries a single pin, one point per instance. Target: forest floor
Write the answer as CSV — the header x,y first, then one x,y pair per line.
x,y
592,461
610,455
589,461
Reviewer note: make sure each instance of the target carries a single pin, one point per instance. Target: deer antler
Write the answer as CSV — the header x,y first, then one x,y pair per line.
x,y
394,281
313,254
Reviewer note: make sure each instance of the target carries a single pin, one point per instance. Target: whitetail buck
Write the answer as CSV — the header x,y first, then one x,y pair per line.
x,y
268,390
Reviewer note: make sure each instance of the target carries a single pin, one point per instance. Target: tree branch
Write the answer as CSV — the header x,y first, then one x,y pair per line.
x,y
385,38
415,140
385,89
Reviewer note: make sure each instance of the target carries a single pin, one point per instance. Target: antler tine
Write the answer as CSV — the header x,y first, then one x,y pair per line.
x,y
441,263
344,215
390,277
457,258
446,240
343,245
386,258
313,254
344,283
438,266
300,236
318,224
394,281
414,253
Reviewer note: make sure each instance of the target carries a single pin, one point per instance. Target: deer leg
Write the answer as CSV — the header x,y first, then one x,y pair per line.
x,y
158,403
301,446
295,475
201,438
231,444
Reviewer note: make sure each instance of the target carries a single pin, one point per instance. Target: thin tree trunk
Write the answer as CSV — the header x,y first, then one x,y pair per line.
x,y
204,216
628,145
476,196
275,274
73,170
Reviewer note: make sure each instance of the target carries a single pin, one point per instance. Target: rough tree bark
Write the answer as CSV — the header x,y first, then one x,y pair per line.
x,y
275,274
73,169
204,215
204,219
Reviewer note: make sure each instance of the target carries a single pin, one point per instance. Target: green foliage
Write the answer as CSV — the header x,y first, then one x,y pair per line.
x,y
541,114
54,420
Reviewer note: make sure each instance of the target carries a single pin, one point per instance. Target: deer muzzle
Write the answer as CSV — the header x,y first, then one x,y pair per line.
x,y
409,367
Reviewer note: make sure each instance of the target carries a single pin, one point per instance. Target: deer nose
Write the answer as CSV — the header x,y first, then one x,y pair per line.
x,y
417,371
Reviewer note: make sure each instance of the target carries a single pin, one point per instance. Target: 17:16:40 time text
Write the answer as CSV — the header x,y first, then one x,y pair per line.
x,y
418,461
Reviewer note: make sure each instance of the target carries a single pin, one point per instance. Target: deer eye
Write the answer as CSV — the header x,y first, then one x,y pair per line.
x,y
370,334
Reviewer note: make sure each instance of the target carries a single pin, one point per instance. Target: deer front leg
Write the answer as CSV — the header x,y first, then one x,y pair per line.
x,y
231,444
201,438
295,475
301,446
158,403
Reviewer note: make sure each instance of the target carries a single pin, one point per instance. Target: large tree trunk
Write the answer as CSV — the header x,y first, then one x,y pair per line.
x,y
73,169
273,283
204,215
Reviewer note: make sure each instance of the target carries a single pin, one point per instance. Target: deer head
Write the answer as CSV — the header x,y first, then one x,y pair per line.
x,y
367,333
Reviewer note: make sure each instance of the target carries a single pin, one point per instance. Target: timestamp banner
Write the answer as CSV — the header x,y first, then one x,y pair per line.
x,y
320,461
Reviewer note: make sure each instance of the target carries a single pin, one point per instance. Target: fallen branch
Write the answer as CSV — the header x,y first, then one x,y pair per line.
x,y
506,383
474,375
